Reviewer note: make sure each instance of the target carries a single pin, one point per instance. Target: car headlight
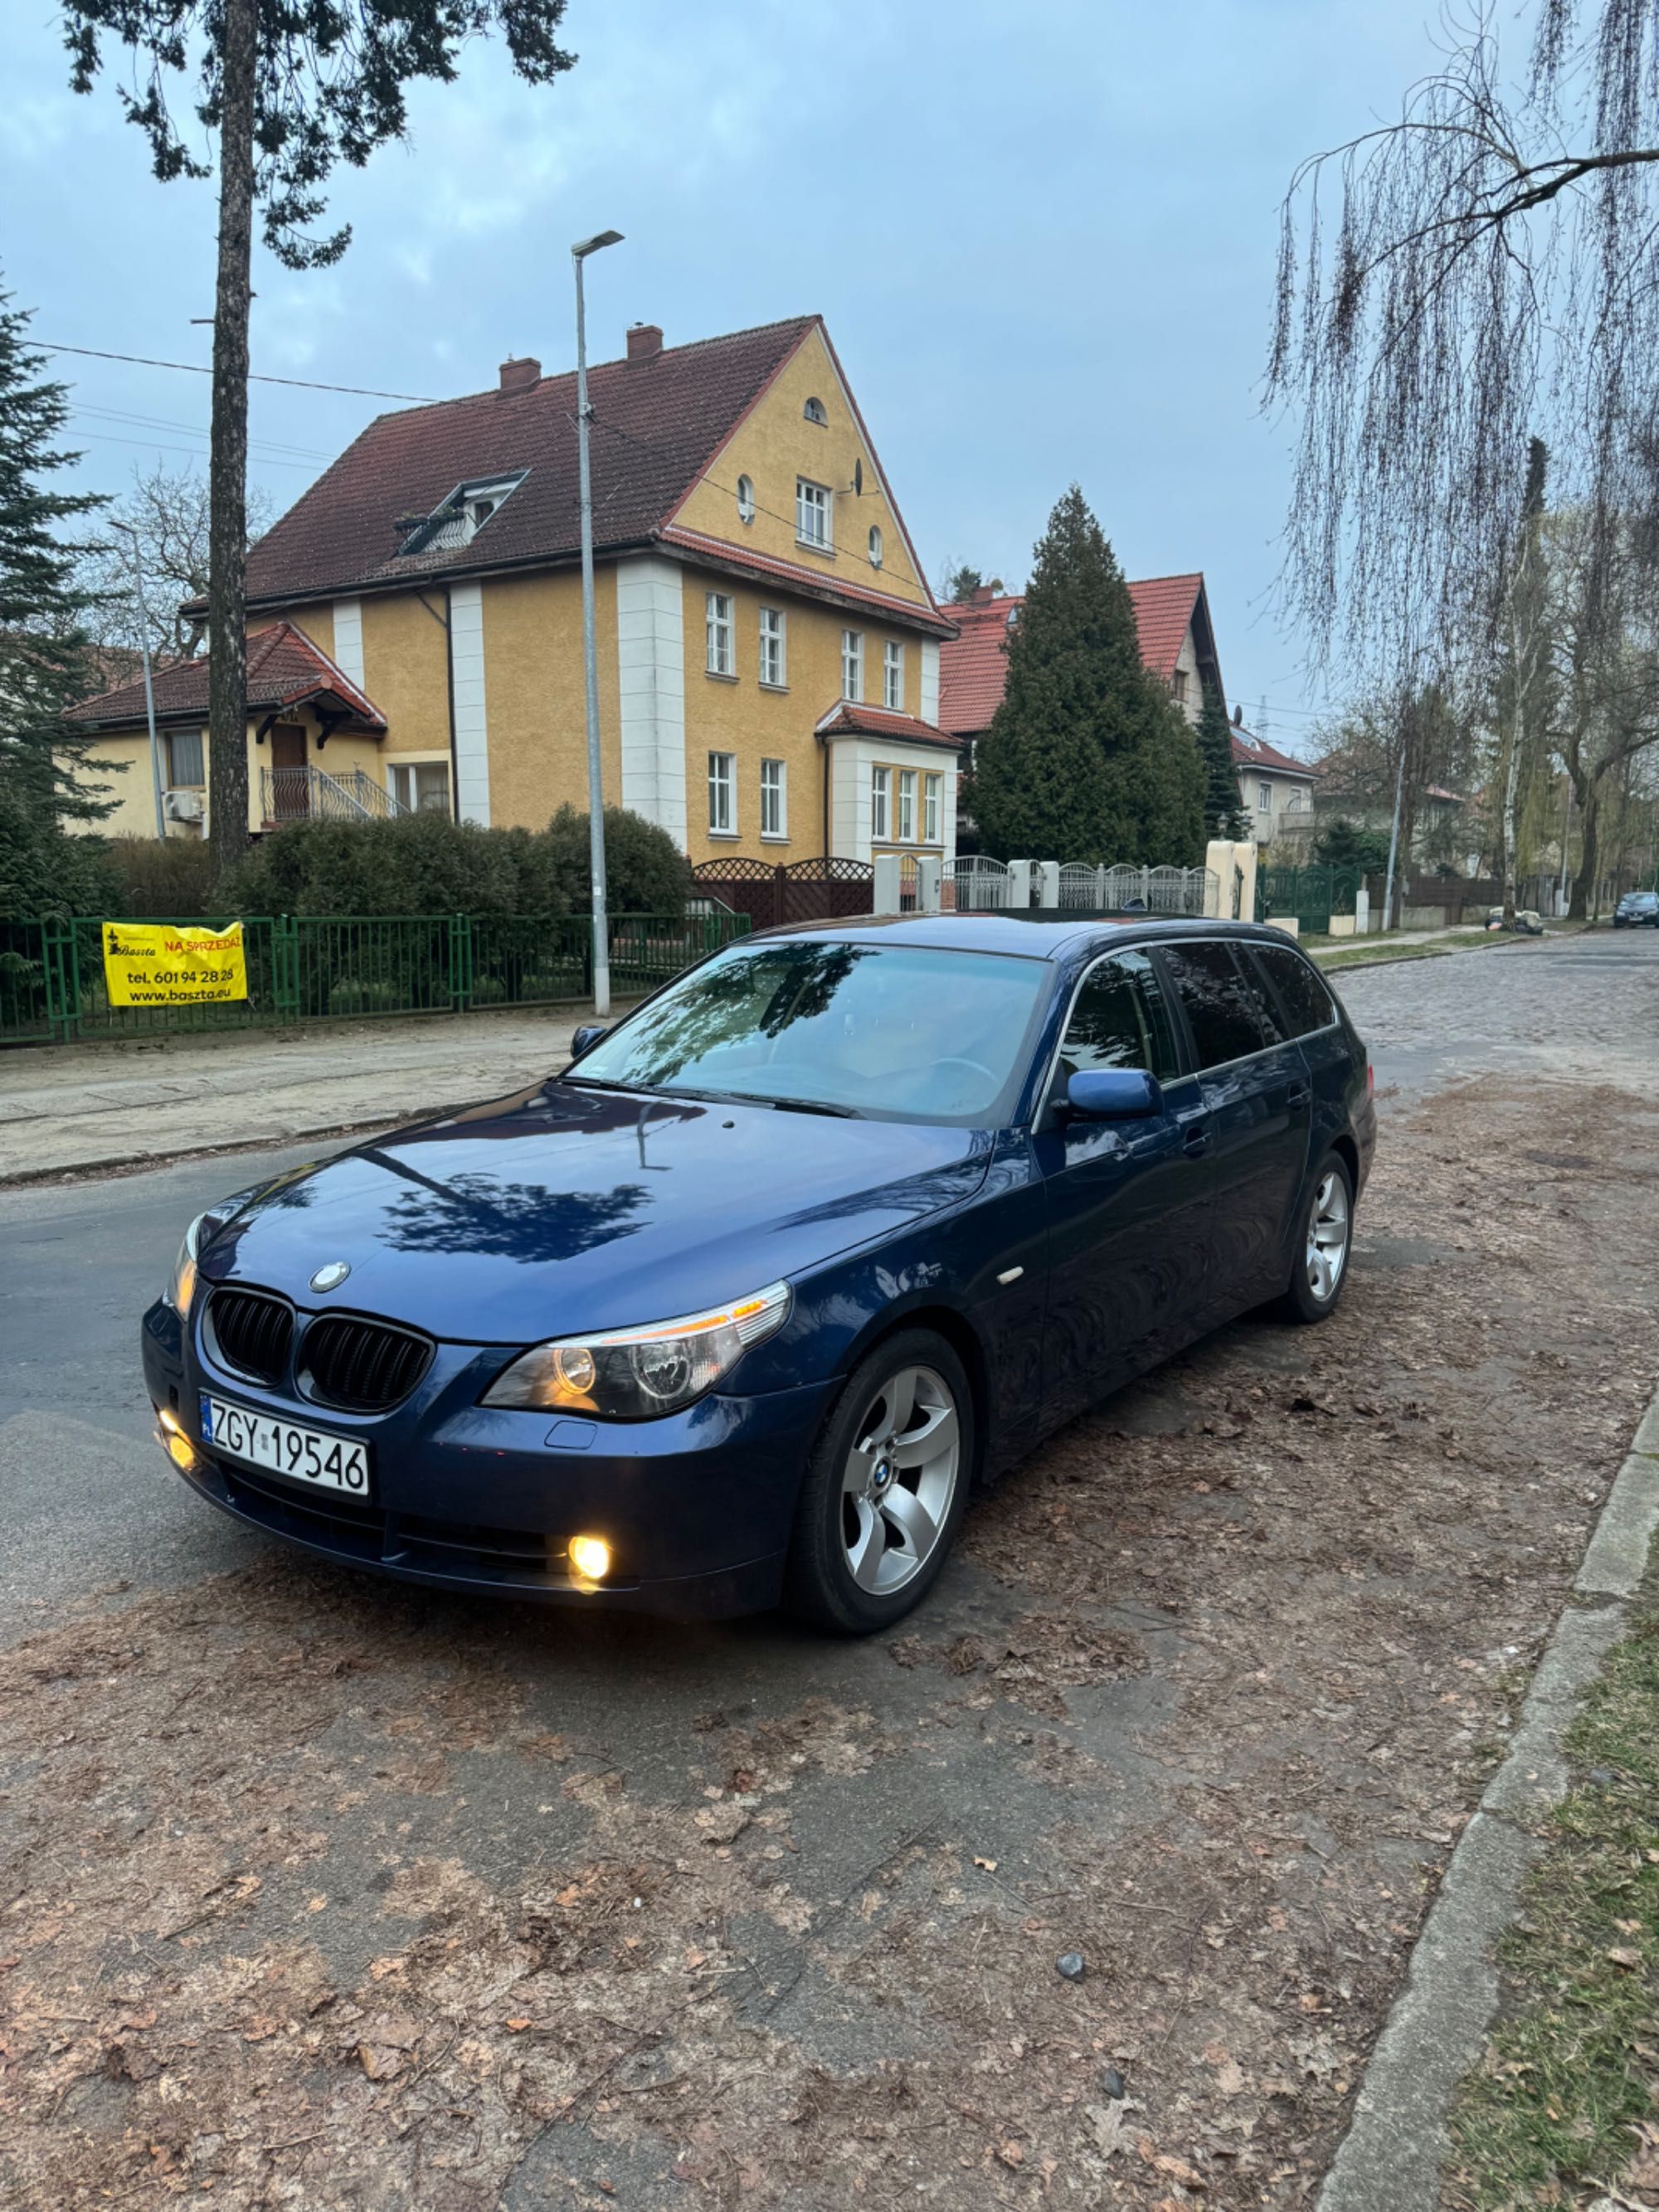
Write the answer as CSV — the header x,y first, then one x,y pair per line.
x,y
181,1284
629,1374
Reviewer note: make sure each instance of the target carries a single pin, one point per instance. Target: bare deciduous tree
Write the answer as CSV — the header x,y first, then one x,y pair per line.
x,y
1482,271
167,511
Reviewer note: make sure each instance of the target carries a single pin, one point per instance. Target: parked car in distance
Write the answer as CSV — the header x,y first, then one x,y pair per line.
x,y
739,1307
1636,910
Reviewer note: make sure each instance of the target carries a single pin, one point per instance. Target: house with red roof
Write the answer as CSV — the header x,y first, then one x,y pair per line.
x,y
769,647
1275,789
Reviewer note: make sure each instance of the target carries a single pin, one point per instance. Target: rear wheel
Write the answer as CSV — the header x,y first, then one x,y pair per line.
x,y
1322,1244
885,1489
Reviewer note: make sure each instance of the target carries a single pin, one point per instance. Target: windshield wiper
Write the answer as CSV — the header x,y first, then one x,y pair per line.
x,y
815,1106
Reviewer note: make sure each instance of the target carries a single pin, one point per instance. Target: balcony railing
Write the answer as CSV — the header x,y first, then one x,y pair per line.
x,y
308,794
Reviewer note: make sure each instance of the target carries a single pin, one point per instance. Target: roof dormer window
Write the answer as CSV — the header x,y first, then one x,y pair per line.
x,y
457,520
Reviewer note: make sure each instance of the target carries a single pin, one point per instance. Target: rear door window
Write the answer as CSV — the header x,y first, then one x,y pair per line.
x,y
1120,1020
1226,1010
1301,992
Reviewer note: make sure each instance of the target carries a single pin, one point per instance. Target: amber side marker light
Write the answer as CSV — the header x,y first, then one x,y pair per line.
x,y
590,1559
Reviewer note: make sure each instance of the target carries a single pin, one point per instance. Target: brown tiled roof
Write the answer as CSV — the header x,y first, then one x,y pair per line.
x,y
972,668
1257,752
852,718
285,669
658,423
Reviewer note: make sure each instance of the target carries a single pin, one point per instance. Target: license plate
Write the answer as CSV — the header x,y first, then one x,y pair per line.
x,y
307,1456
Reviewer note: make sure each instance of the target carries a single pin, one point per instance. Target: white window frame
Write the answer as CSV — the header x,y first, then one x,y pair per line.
x,y
719,633
774,648
933,809
396,770
906,806
722,794
775,802
1264,799
892,677
875,555
745,498
815,516
881,794
852,664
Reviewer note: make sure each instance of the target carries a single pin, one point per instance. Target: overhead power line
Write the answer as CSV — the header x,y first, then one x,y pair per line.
x,y
196,368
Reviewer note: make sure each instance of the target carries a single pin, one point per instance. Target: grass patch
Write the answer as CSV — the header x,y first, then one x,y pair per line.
x,y
1553,2104
1366,952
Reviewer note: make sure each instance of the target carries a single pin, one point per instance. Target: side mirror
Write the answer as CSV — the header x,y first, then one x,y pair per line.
x,y
585,1037
1114,1094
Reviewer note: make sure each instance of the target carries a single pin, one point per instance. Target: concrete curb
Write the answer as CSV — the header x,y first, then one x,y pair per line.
x,y
1390,2160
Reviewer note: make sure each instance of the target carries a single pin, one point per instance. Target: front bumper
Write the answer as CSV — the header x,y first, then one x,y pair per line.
x,y
696,1507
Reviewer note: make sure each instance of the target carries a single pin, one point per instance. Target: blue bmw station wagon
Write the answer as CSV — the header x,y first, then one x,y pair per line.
x,y
739,1308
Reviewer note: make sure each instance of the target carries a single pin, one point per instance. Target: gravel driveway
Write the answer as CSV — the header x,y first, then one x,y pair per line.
x,y
319,1893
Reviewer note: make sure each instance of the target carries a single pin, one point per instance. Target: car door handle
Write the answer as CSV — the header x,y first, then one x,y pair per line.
x,y
1298,1095
1196,1139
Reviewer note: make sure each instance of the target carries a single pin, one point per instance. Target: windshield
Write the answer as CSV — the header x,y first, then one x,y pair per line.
x,y
894,1030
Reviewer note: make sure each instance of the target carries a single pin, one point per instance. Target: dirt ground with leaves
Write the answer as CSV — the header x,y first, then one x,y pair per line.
x,y
319,1892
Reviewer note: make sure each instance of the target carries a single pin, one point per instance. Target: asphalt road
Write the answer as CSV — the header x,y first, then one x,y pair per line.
x,y
89,1501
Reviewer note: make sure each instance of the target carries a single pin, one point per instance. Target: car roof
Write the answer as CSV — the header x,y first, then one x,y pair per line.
x,y
1037,936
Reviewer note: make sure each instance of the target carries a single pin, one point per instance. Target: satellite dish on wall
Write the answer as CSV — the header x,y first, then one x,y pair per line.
x,y
858,477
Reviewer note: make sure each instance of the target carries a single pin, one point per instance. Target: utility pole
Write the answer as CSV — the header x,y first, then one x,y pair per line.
x,y
228,452
579,253
128,532
1394,836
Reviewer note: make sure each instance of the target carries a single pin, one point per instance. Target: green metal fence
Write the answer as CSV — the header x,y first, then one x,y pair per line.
x,y
304,967
1312,894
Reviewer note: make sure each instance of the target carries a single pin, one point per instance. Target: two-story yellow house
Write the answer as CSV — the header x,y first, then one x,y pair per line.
x,y
768,648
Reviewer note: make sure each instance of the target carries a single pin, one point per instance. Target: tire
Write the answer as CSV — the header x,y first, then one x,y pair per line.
x,y
1322,1256
849,1571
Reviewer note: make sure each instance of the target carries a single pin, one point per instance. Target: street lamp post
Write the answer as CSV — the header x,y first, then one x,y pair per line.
x,y
579,253
128,532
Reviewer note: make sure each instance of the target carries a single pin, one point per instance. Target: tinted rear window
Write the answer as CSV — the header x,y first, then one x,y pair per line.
x,y
1305,999
1226,1010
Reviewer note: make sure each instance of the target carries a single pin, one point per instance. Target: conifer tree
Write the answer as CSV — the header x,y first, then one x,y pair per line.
x,y
1087,758
1223,816
44,647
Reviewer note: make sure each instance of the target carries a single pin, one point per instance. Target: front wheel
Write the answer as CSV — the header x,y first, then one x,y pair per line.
x,y
885,1488
1322,1244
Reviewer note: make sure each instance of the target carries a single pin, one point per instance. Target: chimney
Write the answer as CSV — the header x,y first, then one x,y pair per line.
x,y
984,594
520,375
644,341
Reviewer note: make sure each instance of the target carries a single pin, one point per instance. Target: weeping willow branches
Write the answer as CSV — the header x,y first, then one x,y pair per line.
x,y
1482,271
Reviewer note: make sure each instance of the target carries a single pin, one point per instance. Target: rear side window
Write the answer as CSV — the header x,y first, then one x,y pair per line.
x,y
1226,1012
1120,1020
1301,992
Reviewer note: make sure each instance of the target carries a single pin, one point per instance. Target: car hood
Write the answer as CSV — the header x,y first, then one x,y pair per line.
x,y
567,1210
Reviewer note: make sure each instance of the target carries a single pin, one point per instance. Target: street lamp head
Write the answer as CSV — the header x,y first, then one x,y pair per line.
x,y
592,245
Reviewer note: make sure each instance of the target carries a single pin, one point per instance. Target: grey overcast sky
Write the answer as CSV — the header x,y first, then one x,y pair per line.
x,y
1043,238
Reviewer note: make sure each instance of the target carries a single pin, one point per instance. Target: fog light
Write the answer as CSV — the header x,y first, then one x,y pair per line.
x,y
179,1449
590,1558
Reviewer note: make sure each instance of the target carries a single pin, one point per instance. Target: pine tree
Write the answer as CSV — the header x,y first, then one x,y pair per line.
x,y
1087,758
45,666
1223,816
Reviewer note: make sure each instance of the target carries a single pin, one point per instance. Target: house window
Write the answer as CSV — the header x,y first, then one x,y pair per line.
x,y
775,798
1178,686
815,411
852,664
184,770
772,662
932,809
881,787
875,547
892,677
721,659
812,505
1264,799
745,498
419,786
722,794
906,806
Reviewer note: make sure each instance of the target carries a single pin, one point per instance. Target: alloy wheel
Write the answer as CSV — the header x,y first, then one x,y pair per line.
x,y
1328,1226
900,1479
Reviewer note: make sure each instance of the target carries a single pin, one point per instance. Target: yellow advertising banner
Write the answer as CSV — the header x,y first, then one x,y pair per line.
x,y
151,964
